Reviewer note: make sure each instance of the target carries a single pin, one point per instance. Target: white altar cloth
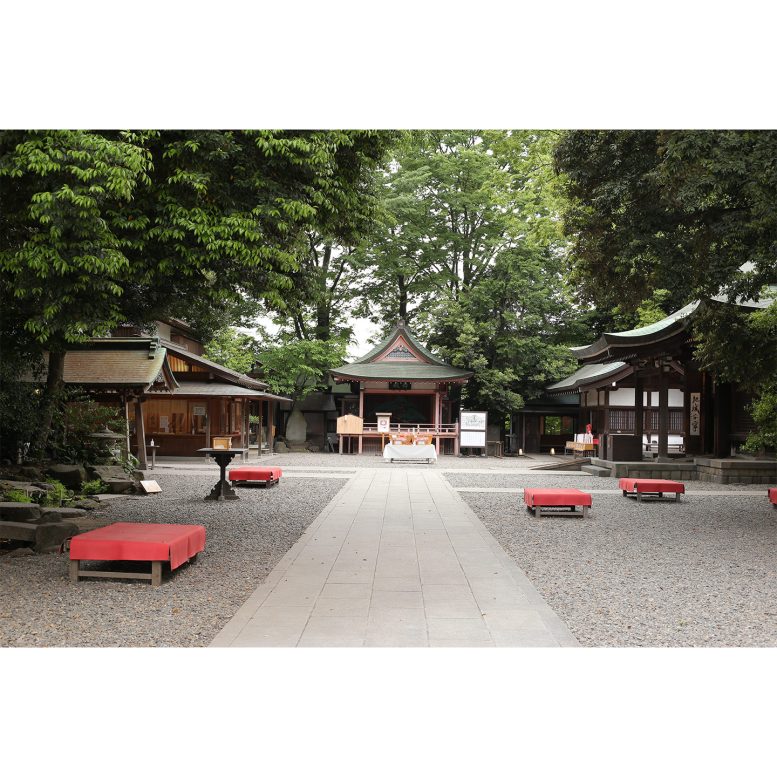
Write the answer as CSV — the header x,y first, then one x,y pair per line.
x,y
410,453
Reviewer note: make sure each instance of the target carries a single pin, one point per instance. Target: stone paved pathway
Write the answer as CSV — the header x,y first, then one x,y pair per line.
x,y
396,559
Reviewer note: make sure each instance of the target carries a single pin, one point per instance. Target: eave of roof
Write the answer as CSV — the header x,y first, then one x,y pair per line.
x,y
400,330
231,376
192,388
413,371
590,376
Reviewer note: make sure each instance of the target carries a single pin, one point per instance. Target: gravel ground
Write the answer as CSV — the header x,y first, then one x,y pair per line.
x,y
351,462
245,539
573,480
661,574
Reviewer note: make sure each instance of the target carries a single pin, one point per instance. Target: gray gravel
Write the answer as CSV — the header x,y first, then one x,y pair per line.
x,y
701,572
569,480
245,539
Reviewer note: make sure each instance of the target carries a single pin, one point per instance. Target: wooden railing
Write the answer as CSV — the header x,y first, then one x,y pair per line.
x,y
623,421
436,430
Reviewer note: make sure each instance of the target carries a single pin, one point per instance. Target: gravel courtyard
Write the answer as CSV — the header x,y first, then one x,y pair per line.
x,y
698,573
245,539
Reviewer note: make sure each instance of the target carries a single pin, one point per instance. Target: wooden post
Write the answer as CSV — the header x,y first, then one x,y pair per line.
x,y
207,423
261,421
127,424
140,434
437,420
270,419
663,414
361,415
639,408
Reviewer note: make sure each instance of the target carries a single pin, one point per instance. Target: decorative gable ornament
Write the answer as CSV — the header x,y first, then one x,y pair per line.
x,y
400,352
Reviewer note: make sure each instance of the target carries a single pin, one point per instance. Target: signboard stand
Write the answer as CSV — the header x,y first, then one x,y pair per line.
x,y
473,426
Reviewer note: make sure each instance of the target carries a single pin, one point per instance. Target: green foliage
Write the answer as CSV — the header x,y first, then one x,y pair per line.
x,y
680,210
56,496
764,412
92,487
20,400
470,250
17,495
299,367
130,464
233,349
81,417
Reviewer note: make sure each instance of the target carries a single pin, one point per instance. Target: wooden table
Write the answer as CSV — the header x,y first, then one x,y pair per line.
x,y
222,490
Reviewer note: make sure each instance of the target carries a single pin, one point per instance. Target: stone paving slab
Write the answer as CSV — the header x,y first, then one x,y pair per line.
x,y
397,559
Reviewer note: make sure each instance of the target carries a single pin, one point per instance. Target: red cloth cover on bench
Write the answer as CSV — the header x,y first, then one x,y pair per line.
x,y
139,542
772,495
556,497
255,473
651,486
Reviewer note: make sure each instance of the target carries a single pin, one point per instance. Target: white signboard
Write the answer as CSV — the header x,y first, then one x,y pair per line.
x,y
164,422
150,486
384,422
472,428
199,410
695,425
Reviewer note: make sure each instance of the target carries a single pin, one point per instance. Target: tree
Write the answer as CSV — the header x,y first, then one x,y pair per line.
x,y
233,349
678,210
297,368
100,228
60,259
472,252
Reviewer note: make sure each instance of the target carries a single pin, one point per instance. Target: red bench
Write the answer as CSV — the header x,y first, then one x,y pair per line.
x,y
154,542
650,487
269,476
539,498
772,495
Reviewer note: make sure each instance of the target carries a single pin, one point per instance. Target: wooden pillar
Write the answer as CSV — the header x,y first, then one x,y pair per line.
x,y
361,415
639,409
270,432
437,420
663,413
261,416
140,434
207,423
127,423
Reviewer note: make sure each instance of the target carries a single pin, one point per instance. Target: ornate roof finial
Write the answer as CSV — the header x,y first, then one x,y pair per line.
x,y
401,323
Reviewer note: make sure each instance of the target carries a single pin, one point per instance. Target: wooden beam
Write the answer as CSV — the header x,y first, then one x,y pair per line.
x,y
140,434
270,419
663,416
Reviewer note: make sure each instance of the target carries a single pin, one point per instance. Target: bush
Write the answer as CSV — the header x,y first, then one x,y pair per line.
x,y
764,412
55,496
17,495
93,487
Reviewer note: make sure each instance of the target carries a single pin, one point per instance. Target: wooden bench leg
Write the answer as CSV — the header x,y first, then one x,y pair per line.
x,y
156,573
74,568
677,496
585,512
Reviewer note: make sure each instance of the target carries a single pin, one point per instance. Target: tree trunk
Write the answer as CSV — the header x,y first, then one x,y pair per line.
x,y
51,398
402,297
323,305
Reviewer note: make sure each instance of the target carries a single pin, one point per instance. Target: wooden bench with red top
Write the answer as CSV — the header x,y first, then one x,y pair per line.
x,y
650,487
772,495
540,499
268,476
158,543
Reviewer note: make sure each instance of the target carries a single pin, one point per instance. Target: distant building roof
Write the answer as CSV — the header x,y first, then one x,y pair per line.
x,y
216,389
401,357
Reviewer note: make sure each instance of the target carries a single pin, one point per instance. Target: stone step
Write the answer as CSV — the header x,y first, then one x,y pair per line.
x,y
597,472
19,511
22,532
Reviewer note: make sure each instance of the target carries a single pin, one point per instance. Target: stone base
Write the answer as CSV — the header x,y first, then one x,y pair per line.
x,y
743,471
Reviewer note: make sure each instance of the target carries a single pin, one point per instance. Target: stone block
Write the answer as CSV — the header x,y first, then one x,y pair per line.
x,y
70,475
19,511
56,514
49,536
22,532
119,485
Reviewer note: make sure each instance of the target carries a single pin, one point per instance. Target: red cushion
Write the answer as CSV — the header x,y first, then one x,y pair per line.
x,y
561,497
651,486
773,495
139,542
255,473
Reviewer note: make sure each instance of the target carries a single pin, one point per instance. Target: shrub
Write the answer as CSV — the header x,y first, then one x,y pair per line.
x,y
55,496
93,487
17,495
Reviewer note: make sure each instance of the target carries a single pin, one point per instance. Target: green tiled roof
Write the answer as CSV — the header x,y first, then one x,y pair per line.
x,y
400,371
432,369
589,373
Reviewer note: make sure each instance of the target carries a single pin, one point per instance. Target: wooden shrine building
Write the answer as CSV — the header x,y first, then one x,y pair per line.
x,y
401,377
642,390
